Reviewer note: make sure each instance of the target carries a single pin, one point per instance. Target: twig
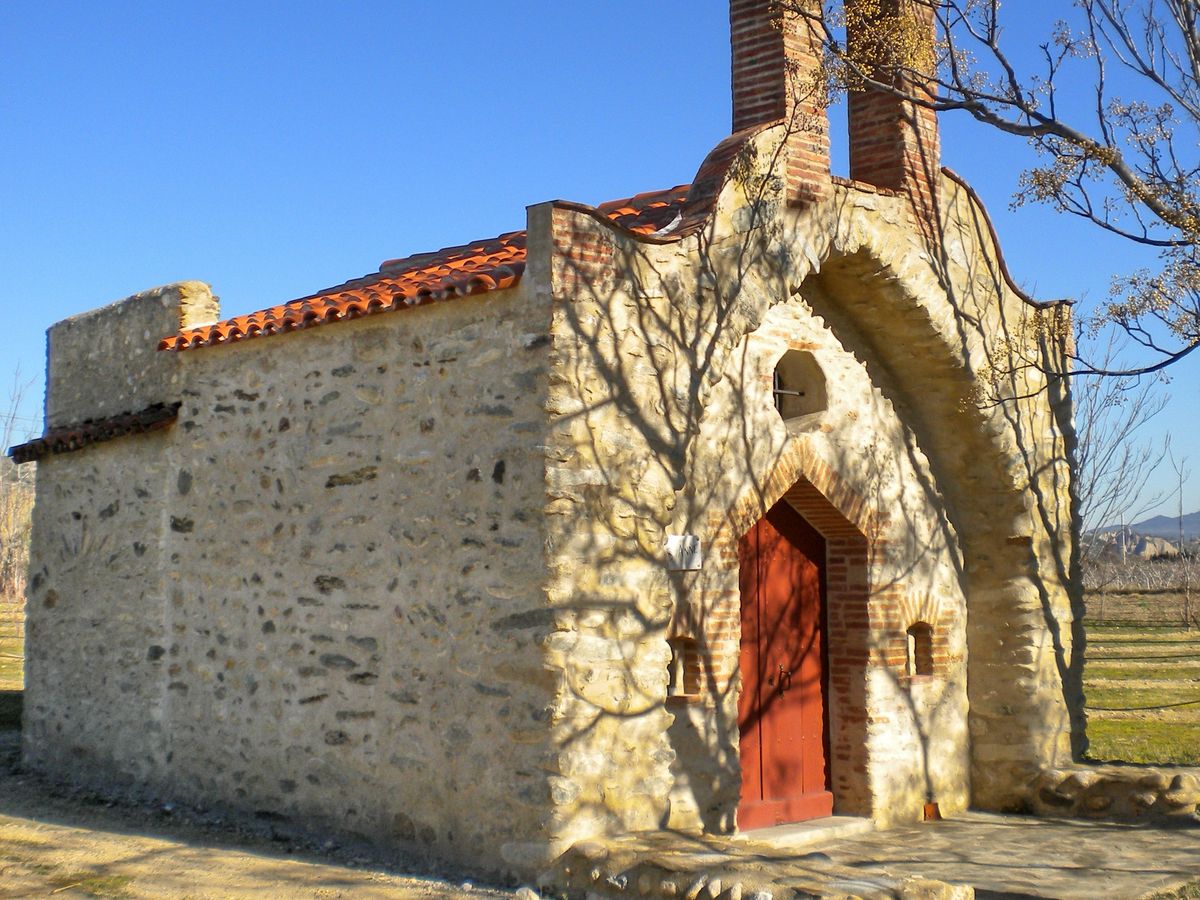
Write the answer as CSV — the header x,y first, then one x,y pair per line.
x,y
1140,708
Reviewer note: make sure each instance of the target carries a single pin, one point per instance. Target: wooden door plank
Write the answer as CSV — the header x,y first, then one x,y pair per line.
x,y
782,706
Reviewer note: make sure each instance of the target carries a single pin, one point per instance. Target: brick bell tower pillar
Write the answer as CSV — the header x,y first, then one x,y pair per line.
x,y
777,77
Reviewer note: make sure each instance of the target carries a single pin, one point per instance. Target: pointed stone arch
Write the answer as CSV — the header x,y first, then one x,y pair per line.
x,y
926,351
926,334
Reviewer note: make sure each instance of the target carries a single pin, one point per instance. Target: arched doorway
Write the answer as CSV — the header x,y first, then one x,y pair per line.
x,y
783,705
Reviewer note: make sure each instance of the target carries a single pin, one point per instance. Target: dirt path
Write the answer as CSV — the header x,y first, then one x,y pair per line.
x,y
55,842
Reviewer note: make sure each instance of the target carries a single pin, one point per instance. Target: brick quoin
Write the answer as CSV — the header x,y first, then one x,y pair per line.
x,y
894,143
776,56
583,252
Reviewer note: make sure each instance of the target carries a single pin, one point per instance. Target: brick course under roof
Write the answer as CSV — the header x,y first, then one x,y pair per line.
x,y
475,268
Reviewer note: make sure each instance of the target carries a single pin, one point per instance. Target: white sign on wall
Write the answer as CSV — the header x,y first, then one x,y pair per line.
x,y
683,552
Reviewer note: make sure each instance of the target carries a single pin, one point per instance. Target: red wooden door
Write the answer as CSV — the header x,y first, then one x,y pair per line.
x,y
781,713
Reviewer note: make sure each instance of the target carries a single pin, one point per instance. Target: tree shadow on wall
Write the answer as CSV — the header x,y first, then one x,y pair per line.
x,y
664,422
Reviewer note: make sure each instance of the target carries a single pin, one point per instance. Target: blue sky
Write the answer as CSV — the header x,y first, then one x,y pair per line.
x,y
271,149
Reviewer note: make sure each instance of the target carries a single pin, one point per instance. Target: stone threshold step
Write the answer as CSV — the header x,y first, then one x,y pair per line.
x,y
799,835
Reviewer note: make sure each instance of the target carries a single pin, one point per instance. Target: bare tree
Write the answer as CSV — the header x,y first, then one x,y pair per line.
x,y
1126,158
1187,556
1114,461
16,506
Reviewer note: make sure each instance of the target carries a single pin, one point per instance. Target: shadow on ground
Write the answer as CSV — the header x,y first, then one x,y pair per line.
x,y
10,710
55,839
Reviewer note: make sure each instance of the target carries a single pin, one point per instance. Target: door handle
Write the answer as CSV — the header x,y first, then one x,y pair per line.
x,y
785,679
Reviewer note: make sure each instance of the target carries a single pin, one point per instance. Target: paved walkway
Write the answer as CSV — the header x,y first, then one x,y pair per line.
x,y
973,854
1018,856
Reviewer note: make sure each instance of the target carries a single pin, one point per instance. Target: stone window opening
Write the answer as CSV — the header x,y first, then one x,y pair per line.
x,y
920,651
798,387
685,669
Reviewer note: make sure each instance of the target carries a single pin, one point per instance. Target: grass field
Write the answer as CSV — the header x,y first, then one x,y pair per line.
x,y
1138,607
12,675
11,666
12,643
1142,681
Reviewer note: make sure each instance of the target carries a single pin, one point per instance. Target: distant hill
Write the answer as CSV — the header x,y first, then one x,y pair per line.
x,y
1168,527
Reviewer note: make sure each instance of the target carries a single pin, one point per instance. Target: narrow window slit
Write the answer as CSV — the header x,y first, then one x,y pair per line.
x,y
685,668
920,650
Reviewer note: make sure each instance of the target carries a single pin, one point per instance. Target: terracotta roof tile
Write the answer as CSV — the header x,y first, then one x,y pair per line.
x,y
649,212
474,268
452,272
95,431
671,215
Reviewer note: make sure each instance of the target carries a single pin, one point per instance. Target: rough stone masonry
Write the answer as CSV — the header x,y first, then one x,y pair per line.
x,y
408,577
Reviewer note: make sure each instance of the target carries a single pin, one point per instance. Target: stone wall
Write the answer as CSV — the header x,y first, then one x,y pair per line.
x,y
95,635
321,592
106,361
96,639
1168,795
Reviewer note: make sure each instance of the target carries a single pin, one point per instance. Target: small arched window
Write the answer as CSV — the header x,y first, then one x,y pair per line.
x,y
920,649
799,386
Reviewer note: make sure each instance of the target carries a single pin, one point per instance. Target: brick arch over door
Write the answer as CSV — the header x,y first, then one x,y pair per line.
x,y
851,530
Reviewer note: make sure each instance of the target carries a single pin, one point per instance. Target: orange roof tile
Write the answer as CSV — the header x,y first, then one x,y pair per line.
x,y
478,267
649,212
95,431
473,268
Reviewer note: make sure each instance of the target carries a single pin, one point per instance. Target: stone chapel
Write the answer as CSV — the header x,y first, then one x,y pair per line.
x,y
743,502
